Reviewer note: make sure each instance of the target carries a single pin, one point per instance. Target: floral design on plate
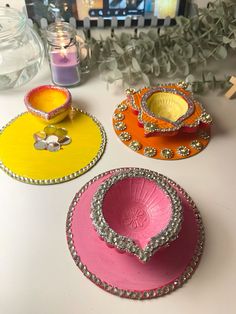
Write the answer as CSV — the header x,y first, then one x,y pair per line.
x,y
197,145
51,138
150,151
167,153
135,145
183,151
125,136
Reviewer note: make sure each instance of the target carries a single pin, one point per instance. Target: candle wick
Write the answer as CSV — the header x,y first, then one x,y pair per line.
x,y
63,54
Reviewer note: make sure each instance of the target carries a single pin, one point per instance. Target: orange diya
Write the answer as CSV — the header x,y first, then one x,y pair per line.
x,y
164,122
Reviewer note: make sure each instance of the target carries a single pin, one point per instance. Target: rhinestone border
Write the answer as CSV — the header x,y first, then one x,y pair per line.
x,y
136,295
126,244
66,177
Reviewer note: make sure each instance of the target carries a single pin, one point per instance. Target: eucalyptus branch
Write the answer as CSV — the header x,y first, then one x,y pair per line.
x,y
174,51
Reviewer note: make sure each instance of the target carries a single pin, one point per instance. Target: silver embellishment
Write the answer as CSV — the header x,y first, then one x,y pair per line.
x,y
120,126
135,145
53,147
130,91
118,116
167,153
204,135
197,145
51,138
205,118
122,107
40,145
125,136
150,151
150,127
183,151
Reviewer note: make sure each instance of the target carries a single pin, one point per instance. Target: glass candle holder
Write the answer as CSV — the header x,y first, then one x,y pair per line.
x,y
63,54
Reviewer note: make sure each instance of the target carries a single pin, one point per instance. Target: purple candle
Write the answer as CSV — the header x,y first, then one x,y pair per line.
x,y
65,67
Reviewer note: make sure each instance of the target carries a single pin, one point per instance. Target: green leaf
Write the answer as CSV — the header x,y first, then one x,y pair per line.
x,y
184,68
125,38
226,40
146,79
188,51
112,76
190,78
108,65
136,65
117,48
221,52
233,44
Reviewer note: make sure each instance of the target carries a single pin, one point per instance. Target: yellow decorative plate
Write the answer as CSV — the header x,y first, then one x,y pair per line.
x,y
20,159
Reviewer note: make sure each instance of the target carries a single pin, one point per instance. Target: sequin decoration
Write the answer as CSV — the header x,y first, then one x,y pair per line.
x,y
51,138
197,145
206,118
204,135
120,126
135,145
183,151
118,116
150,127
125,136
122,107
150,151
167,153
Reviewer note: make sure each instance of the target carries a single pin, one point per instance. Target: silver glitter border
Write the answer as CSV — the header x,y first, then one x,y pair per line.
x,y
137,295
67,177
123,243
177,126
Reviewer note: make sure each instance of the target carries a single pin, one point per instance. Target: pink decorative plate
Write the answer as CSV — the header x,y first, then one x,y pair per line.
x,y
147,216
123,274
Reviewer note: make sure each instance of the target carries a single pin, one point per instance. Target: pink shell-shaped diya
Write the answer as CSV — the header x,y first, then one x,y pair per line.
x,y
137,212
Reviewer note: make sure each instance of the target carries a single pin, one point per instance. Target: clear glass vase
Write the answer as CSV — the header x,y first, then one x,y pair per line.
x,y
21,49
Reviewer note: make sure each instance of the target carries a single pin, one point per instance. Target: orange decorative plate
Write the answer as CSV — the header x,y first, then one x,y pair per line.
x,y
165,122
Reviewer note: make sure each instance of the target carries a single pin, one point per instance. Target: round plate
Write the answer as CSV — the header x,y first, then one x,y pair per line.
x,y
124,275
180,146
20,159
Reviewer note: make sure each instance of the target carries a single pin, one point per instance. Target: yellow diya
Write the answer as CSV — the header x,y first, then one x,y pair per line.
x,y
27,156
49,103
165,122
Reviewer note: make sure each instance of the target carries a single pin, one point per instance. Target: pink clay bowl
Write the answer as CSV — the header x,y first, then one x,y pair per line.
x,y
137,212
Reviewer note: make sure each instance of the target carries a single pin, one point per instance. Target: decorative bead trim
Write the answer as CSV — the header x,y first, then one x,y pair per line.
x,y
167,153
118,116
125,136
183,151
197,145
204,135
137,295
126,244
120,126
150,151
122,107
135,145
67,177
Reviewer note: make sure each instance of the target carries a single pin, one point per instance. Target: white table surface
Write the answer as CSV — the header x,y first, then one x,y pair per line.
x,y
37,272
